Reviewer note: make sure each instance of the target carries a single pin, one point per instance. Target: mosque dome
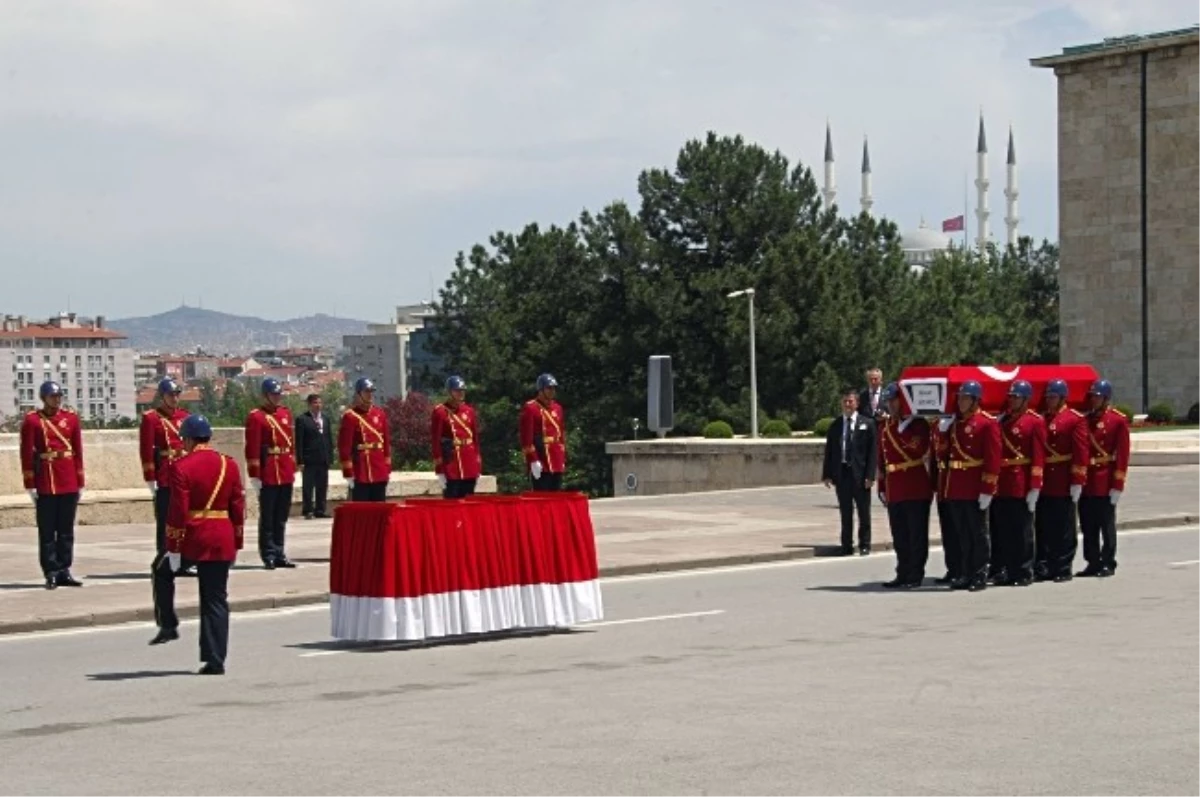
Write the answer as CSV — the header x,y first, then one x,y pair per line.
x,y
922,245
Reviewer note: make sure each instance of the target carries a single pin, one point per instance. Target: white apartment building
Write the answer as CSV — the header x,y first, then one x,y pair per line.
x,y
91,363
382,354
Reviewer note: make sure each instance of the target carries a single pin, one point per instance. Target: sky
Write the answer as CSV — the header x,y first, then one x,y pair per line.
x,y
285,157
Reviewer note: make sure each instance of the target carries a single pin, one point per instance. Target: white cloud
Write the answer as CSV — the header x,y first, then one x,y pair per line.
x,y
384,136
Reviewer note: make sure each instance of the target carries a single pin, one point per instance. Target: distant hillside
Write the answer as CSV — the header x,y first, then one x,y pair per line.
x,y
186,328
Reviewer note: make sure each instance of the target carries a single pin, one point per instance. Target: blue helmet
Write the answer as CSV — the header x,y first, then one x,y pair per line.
x,y
362,384
49,389
890,392
456,383
271,387
1101,387
1057,387
546,380
170,386
971,388
1021,389
194,427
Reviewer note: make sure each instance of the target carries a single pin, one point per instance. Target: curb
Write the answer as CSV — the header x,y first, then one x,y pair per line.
x,y
292,599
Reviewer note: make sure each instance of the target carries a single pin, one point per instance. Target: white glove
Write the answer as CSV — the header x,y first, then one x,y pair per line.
x,y
1076,492
33,496
350,483
535,470
984,502
1114,496
80,493
174,561
945,423
153,487
883,497
442,480
256,484
1031,499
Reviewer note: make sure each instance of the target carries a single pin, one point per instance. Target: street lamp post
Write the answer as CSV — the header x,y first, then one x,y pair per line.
x,y
749,293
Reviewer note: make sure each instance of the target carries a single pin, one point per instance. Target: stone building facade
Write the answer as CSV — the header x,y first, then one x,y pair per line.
x,y
1129,213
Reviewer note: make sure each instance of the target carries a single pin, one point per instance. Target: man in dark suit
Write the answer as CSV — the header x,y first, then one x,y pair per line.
x,y
870,398
850,465
314,448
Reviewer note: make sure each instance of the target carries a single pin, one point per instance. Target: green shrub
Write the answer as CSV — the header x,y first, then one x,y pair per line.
x,y
1161,413
718,430
1125,410
1193,415
821,427
777,428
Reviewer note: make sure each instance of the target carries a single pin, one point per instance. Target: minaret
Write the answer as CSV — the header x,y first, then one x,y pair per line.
x,y
830,189
867,200
1010,191
981,187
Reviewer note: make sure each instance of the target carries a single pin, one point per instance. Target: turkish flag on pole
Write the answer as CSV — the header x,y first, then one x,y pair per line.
x,y
953,225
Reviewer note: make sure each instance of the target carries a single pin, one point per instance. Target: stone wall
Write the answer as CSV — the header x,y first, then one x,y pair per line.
x,y
662,467
1099,156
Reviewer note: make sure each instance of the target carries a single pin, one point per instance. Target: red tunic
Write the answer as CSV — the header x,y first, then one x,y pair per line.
x,y
1108,452
972,458
365,445
1024,456
160,444
52,452
270,445
1066,452
543,435
903,460
455,440
208,507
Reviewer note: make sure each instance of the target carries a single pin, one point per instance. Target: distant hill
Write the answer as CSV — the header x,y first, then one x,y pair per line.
x,y
186,328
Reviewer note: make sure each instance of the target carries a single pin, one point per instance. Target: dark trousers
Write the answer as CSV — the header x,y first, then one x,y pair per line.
x,y
970,527
274,504
313,488
548,483
214,611
909,521
1098,522
853,494
459,488
951,550
56,531
1012,533
372,491
162,578
1054,530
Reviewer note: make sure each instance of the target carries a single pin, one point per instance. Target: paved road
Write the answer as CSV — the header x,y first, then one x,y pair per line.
x,y
798,677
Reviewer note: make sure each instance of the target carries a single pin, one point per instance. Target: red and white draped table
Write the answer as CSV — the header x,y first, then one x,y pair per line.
x,y
433,568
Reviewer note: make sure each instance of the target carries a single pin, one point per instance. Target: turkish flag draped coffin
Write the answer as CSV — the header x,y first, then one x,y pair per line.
x,y
433,568
932,389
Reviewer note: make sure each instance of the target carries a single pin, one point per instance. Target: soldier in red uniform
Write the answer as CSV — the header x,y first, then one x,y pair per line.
x,y
271,466
365,446
905,486
972,464
454,429
1108,461
940,448
1062,485
52,467
160,444
204,525
1023,436
543,432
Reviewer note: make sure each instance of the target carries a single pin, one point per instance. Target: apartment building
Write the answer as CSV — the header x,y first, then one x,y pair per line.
x,y
383,353
92,363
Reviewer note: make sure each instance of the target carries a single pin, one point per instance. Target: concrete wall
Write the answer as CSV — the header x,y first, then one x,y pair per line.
x,y
694,465
1099,158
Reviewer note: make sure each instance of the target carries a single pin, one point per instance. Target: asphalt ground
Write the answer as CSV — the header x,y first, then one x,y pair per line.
x,y
800,677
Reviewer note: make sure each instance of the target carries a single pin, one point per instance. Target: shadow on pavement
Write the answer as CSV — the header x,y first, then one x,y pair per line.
x,y
385,646
136,675
21,585
875,586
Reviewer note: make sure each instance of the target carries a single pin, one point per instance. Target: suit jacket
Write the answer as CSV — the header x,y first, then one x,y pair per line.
x,y
864,403
313,447
861,450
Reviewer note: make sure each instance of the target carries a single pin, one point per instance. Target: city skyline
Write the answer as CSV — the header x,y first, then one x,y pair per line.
x,y
282,159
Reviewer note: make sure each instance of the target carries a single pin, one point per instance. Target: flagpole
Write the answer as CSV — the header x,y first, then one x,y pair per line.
x,y
965,239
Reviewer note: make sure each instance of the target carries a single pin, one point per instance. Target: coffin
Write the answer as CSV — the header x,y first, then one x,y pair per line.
x,y
932,389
